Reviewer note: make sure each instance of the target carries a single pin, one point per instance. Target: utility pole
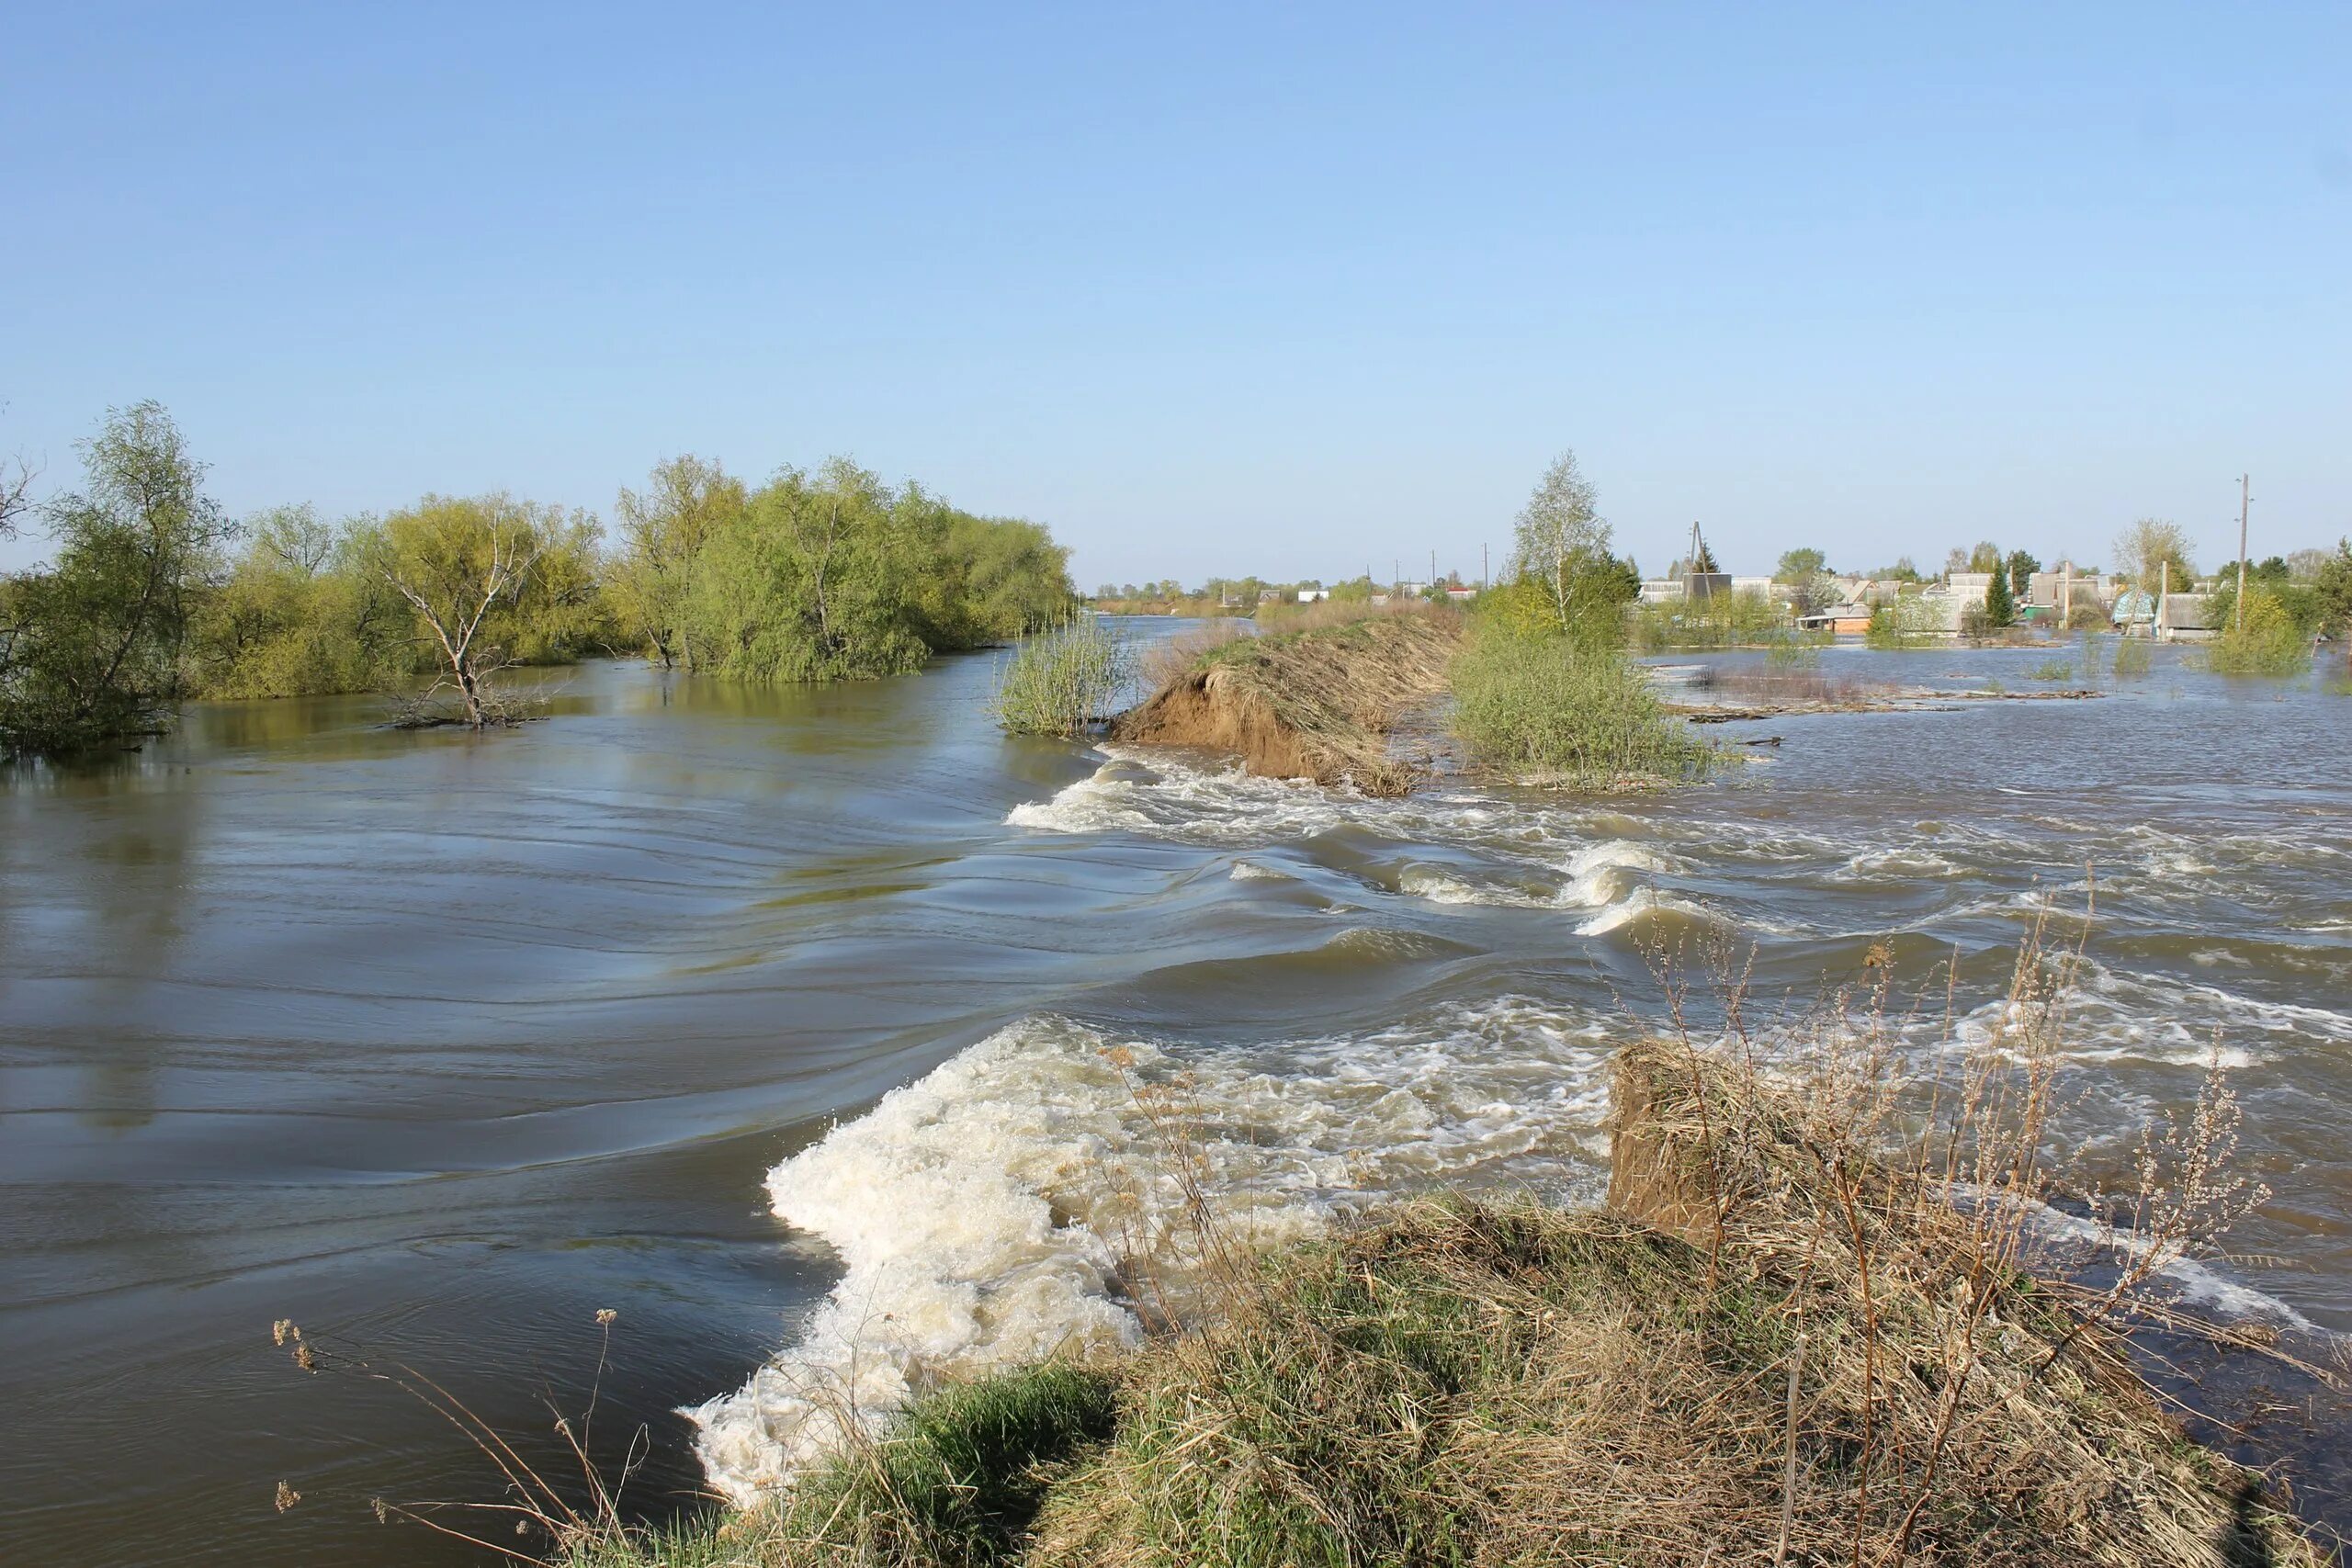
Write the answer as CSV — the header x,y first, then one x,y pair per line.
x,y
1433,568
1484,582
2246,494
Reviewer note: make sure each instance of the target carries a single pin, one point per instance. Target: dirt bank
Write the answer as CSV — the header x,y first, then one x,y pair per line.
x,y
1318,704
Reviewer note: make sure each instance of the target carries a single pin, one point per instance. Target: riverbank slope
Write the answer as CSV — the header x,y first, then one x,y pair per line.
x,y
1766,1348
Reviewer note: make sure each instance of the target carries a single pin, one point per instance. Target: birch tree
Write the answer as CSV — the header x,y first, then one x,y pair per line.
x,y
1561,538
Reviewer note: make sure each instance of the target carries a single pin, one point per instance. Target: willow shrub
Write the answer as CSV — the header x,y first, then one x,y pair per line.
x,y
1061,681
1544,710
2269,642
1722,620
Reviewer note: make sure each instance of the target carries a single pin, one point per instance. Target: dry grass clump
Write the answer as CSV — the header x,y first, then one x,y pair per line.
x,y
1797,686
1171,658
1315,704
1773,1349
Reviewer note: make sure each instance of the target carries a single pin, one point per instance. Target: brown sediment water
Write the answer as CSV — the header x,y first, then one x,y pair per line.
x,y
441,1043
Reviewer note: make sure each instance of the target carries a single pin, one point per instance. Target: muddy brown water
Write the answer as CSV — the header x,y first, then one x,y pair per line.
x,y
439,1044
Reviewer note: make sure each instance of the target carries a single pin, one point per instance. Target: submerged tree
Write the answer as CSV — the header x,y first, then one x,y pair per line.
x,y
663,531
90,650
485,576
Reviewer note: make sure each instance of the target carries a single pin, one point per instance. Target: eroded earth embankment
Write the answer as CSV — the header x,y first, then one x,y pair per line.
x,y
1319,705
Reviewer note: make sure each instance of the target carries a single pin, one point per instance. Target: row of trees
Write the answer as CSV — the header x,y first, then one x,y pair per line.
x,y
154,595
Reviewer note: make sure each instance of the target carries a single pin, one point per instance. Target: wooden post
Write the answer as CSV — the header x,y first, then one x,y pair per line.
x,y
2244,496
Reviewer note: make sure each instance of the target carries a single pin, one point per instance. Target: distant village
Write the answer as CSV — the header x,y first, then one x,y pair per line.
x,y
1976,595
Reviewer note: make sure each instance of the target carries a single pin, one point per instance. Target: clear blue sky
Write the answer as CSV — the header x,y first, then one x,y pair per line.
x,y
1259,288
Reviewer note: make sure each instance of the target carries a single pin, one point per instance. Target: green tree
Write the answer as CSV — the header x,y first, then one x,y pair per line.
x,y
816,583
297,612
2145,551
1985,557
490,580
2000,605
91,649
2021,569
1561,539
663,530
1806,574
2332,587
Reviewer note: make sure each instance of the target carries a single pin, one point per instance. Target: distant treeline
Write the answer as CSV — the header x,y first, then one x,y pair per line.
x,y
153,595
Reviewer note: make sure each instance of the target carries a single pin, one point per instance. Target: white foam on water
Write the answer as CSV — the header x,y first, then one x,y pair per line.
x,y
1160,797
1250,871
997,1209
2188,1279
1648,901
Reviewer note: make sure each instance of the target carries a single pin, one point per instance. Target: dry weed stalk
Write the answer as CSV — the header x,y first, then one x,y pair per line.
x,y
1927,1206
534,1501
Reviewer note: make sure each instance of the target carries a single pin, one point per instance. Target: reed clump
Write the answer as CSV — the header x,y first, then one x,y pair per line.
x,y
1062,682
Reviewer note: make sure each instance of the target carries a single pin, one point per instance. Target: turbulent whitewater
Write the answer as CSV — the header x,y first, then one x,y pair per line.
x,y
1028,1195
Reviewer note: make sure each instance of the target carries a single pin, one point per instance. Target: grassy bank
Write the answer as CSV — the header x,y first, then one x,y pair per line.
x,y
1773,1346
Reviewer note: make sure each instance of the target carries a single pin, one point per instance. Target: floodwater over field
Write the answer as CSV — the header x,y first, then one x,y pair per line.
x,y
438,1044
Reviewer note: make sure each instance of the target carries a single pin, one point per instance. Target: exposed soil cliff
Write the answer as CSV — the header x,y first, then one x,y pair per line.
x,y
1314,704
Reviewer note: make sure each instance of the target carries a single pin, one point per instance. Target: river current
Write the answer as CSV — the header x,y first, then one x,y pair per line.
x,y
440,1045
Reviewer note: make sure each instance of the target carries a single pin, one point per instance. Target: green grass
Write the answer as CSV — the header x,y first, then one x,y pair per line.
x,y
1543,710
954,1485
2051,669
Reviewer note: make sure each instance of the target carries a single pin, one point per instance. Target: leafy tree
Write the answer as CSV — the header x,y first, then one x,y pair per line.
x,y
2144,551
90,650
2268,642
16,496
1561,540
491,579
663,529
1796,565
816,583
2021,569
2332,587
1985,557
1956,559
298,612
1807,573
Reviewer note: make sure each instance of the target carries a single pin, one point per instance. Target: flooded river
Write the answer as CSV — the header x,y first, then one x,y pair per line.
x,y
441,1045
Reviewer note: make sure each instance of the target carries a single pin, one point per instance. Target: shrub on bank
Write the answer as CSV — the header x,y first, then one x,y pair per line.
x,y
1543,710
